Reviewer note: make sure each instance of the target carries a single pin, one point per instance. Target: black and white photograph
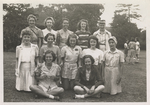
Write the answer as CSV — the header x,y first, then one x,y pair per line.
x,y
56,52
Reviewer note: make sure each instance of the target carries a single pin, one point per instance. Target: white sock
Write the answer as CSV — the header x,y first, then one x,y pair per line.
x,y
79,96
51,96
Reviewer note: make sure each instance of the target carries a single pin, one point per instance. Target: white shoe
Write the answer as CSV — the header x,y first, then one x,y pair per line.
x,y
79,96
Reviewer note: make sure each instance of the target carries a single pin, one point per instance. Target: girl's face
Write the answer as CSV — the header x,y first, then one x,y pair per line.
x,y
93,43
31,21
49,23
72,42
48,58
65,24
26,38
83,25
88,63
50,39
112,44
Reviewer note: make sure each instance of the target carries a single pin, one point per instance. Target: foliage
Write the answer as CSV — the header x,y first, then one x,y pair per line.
x,y
13,22
124,29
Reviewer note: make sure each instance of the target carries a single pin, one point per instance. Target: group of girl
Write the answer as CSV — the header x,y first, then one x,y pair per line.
x,y
49,62
132,50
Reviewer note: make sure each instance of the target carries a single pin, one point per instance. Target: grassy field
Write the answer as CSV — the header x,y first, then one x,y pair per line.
x,y
133,84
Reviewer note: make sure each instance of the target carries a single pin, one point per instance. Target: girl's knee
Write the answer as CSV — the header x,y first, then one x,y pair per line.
x,y
61,90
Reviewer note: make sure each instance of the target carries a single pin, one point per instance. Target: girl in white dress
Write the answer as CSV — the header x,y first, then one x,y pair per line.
x,y
113,63
137,51
26,60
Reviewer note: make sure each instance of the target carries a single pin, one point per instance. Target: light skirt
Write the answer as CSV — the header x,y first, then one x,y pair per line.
x,y
111,74
25,79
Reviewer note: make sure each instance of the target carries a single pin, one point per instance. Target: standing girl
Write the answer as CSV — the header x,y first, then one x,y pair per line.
x,y
71,55
26,60
50,38
83,33
36,33
96,53
63,34
113,68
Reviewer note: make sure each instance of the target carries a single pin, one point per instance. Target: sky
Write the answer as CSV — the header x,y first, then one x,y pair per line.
x,y
110,7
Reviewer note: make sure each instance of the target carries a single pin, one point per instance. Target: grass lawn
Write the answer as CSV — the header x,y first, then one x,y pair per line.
x,y
133,85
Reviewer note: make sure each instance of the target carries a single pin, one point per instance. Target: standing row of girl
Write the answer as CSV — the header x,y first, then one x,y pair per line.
x,y
54,64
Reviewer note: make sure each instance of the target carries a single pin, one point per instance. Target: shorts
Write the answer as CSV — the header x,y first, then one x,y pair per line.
x,y
131,53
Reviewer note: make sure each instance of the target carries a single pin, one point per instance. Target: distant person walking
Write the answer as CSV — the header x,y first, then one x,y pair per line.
x,y
126,49
131,51
137,49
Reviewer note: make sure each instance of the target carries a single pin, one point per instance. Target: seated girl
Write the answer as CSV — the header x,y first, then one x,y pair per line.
x,y
48,75
88,81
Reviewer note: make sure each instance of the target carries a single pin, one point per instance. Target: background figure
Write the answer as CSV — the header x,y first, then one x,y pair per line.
x,y
63,34
49,23
113,62
83,33
103,35
126,49
96,53
88,81
48,76
26,60
131,51
71,55
37,34
137,51
50,39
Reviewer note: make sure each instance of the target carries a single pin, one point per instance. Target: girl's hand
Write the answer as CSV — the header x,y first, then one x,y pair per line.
x,y
16,73
43,76
118,80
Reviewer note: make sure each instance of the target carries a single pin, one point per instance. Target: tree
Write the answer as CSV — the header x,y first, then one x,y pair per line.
x,y
130,10
13,22
123,29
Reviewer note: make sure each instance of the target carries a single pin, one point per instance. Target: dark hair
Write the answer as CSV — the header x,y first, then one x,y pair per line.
x,y
79,24
49,52
88,56
49,34
71,36
26,32
65,19
95,38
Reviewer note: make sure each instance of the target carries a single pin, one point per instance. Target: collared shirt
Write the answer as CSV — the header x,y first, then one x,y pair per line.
x,y
62,37
36,33
54,71
71,55
88,73
112,59
103,39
